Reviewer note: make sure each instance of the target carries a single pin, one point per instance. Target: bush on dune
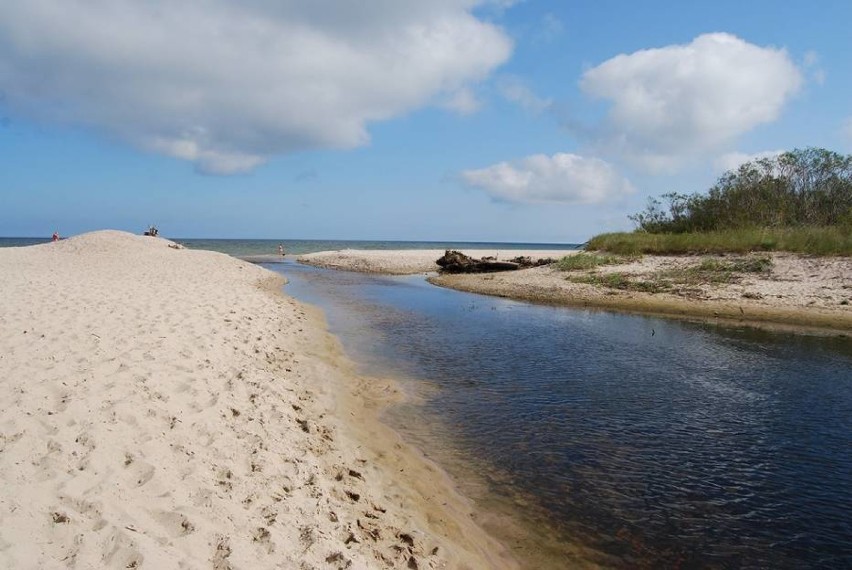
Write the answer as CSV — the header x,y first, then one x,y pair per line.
x,y
798,201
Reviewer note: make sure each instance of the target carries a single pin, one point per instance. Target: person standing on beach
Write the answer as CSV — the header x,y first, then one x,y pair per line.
x,y
281,249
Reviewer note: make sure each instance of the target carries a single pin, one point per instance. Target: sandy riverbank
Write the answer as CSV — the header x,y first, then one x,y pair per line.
x,y
798,291
408,261
170,408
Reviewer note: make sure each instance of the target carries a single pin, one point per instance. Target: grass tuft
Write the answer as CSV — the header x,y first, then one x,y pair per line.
x,y
708,272
586,261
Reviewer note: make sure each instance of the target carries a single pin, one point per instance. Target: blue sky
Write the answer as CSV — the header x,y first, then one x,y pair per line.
x,y
524,121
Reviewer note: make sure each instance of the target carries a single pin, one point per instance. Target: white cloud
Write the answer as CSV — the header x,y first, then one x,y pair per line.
x,y
227,85
463,102
561,178
513,89
733,160
679,101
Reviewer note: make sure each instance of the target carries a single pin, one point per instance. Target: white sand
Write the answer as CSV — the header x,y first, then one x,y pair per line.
x,y
799,291
409,261
163,410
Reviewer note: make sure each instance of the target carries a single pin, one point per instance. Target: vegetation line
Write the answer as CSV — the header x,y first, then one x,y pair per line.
x,y
799,201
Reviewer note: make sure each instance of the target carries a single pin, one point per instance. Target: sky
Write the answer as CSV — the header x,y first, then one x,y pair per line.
x,y
449,120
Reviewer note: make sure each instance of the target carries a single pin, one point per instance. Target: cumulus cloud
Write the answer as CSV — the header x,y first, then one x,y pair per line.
x,y
515,90
733,160
561,178
227,85
681,100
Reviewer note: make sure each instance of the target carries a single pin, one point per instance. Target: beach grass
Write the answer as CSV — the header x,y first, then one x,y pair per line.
x,y
621,281
708,271
714,271
825,240
586,261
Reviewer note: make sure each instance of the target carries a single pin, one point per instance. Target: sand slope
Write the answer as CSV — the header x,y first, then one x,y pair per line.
x,y
163,410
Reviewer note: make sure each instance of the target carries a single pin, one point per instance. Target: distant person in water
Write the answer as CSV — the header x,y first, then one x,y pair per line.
x,y
55,236
281,249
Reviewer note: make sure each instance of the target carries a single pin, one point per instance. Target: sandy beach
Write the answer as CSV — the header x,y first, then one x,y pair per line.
x,y
168,408
798,291
408,261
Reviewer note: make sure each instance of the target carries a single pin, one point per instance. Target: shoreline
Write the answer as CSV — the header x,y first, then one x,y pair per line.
x,y
801,293
409,261
182,410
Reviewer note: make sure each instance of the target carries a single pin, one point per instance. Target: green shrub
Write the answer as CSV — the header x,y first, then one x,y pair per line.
x,y
803,187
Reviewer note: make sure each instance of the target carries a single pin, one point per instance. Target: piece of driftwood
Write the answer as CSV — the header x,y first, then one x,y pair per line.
x,y
457,262
525,262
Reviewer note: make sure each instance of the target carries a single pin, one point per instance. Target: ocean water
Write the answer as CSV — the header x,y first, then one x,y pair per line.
x,y
22,242
243,248
253,247
630,441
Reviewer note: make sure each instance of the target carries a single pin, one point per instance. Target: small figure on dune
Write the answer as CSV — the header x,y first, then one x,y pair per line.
x,y
55,236
152,231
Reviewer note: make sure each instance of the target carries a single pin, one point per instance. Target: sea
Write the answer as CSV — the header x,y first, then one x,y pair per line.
x,y
587,437
261,247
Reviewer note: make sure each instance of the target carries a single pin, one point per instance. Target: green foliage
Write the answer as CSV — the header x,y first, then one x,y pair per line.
x,y
713,270
834,240
708,271
810,187
621,281
585,261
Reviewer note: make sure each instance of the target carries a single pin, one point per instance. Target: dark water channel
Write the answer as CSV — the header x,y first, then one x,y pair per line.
x,y
655,443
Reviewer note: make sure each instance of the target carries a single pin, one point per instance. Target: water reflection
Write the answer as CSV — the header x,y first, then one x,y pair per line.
x,y
657,442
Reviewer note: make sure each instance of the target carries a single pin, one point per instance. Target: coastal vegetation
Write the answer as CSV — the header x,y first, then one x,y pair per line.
x,y
684,279
798,201
586,261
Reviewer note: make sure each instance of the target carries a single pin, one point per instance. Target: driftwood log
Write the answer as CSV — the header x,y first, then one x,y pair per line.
x,y
457,262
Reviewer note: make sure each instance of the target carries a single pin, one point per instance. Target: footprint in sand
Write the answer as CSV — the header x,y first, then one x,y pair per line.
x,y
119,551
139,472
176,524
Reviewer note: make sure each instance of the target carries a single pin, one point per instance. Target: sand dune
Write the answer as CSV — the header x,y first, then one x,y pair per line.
x,y
168,408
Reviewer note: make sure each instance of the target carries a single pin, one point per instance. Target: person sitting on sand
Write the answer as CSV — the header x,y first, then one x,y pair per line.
x,y
55,236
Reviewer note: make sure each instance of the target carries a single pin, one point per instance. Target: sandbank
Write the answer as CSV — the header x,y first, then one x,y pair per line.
x,y
409,261
169,408
799,292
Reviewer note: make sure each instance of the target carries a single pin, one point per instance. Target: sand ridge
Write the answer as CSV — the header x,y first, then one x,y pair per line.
x,y
169,408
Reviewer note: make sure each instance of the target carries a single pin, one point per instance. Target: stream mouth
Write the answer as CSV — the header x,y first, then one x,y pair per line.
x,y
613,439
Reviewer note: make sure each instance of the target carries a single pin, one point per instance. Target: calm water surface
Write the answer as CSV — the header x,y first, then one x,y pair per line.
x,y
656,443
255,247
